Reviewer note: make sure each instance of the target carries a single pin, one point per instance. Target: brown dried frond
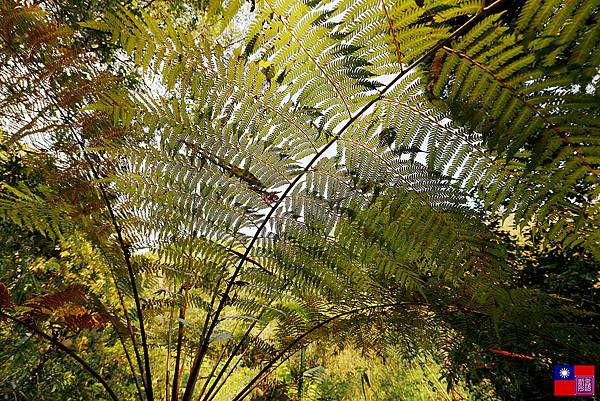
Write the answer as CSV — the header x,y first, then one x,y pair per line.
x,y
46,304
77,317
16,19
46,34
5,299
67,307
97,126
113,133
90,120
436,65
84,87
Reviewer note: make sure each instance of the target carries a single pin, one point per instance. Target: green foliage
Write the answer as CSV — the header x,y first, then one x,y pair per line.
x,y
329,180
350,376
532,98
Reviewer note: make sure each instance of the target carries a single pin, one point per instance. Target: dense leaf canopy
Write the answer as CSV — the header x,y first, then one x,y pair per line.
x,y
190,191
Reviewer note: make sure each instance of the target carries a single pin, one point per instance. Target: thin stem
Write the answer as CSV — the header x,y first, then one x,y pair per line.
x,y
216,387
212,373
182,311
209,396
230,359
216,364
433,376
66,350
131,367
131,335
396,45
301,374
199,356
169,329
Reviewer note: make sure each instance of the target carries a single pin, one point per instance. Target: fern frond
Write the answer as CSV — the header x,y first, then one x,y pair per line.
x,y
67,306
493,82
30,210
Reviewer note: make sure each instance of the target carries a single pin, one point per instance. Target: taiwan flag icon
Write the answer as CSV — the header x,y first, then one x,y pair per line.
x,y
574,380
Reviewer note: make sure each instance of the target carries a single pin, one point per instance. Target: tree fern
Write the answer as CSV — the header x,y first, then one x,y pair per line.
x,y
371,157
332,177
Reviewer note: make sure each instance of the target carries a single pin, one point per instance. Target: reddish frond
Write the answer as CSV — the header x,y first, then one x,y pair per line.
x,y
67,307
512,354
47,304
78,317
82,87
5,299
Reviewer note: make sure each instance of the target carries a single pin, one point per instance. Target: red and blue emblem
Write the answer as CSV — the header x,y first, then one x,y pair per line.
x,y
574,380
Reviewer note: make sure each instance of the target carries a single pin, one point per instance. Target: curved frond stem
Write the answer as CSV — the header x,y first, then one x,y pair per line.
x,y
180,330
195,369
250,260
211,395
66,350
131,367
168,359
392,31
207,330
281,357
266,374
243,393
129,331
535,110
213,392
216,364
213,370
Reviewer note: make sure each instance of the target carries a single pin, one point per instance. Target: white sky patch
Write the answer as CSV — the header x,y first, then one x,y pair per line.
x,y
591,88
